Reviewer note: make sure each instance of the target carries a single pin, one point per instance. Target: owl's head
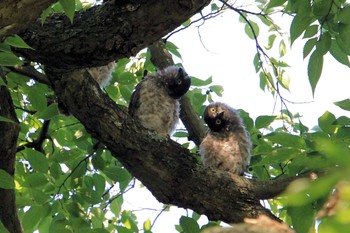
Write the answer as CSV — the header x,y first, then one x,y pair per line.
x,y
219,116
177,81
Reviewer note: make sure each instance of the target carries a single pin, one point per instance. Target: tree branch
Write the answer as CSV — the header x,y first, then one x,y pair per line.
x,y
168,170
15,15
31,72
8,137
132,25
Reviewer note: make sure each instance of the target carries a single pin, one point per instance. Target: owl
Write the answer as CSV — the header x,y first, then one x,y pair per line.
x,y
155,100
227,144
102,74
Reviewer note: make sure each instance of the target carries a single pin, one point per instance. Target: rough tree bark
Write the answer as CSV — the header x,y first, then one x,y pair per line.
x,y
15,16
109,32
8,137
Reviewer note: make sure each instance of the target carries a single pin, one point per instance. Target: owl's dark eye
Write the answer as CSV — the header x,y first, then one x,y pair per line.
x,y
179,82
218,121
213,110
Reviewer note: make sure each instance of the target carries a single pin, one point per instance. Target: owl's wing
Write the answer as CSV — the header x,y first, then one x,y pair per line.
x,y
135,99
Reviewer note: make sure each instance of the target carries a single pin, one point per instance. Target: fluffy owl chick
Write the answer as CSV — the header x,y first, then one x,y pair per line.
x,y
227,144
102,74
154,102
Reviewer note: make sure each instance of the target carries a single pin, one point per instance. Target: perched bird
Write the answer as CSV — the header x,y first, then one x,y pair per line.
x,y
102,74
227,144
154,102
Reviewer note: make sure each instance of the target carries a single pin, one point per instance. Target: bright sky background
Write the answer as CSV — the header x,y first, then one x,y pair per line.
x,y
229,59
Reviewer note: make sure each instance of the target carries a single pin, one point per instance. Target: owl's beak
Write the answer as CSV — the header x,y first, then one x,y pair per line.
x,y
221,113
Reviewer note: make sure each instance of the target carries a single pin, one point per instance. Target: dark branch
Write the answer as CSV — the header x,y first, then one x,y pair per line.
x,y
8,137
31,72
131,26
37,143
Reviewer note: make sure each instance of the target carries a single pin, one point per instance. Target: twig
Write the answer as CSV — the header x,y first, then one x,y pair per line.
x,y
37,143
31,72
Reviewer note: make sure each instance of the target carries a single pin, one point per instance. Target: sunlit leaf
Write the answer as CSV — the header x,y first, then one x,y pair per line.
x,y
173,49
344,15
264,121
326,122
309,45
218,89
339,54
343,104
314,69
252,30
298,26
37,160
69,8
147,226
286,139
16,41
196,82
275,3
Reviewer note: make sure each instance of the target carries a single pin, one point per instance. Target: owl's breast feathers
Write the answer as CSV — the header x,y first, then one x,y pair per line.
x,y
154,103
226,151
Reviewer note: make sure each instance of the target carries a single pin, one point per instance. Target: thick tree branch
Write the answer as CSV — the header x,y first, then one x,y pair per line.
x,y
161,58
169,171
15,15
8,137
132,25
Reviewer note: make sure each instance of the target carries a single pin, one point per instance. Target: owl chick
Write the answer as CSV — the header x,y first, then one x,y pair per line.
x,y
102,74
227,144
155,100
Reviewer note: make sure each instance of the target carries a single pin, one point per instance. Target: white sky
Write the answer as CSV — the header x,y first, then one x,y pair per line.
x,y
230,62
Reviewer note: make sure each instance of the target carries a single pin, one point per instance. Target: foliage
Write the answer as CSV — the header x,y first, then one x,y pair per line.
x,y
66,181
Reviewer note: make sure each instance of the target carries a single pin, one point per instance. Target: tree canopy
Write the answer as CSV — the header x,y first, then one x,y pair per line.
x,y
69,173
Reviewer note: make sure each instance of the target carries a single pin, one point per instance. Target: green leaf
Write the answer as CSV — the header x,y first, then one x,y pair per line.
x,y
274,3
189,225
126,78
48,113
252,30
37,99
100,183
37,160
173,49
311,31
147,226
196,82
18,42
309,45
314,69
35,180
282,48
264,121
270,41
339,54
302,217
286,139
344,15
69,8
343,104
117,174
32,217
6,180
256,62
3,228
322,7
324,43
4,119
299,25
218,89
326,122
9,59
